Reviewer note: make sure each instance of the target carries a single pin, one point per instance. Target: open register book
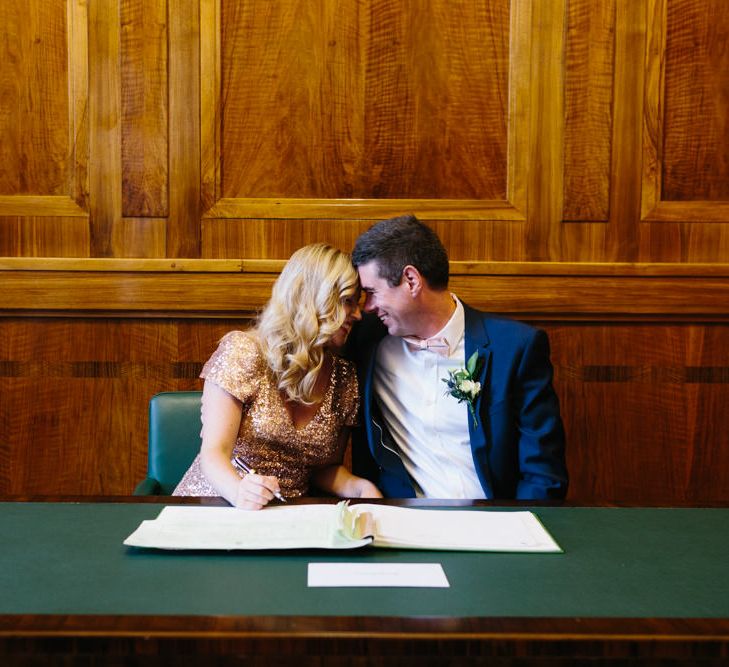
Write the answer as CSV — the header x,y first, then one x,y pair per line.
x,y
342,526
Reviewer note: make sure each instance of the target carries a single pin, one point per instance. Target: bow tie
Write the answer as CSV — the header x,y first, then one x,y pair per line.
x,y
438,345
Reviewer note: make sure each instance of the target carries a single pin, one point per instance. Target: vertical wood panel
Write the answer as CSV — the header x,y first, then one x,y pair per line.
x,y
183,225
210,102
519,117
589,63
105,176
144,107
625,173
365,100
436,99
652,139
546,154
33,98
78,76
292,114
696,139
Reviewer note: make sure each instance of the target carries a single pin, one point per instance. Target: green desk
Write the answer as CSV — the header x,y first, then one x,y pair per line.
x,y
634,584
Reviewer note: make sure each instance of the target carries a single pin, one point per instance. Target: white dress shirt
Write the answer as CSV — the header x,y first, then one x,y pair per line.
x,y
428,425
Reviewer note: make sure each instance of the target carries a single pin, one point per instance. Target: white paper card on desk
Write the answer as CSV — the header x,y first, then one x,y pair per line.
x,y
381,575
343,527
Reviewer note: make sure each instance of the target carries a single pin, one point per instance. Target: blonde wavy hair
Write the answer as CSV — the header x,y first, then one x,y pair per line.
x,y
305,310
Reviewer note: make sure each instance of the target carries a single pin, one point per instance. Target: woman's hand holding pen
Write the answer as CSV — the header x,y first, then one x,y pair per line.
x,y
259,491
256,491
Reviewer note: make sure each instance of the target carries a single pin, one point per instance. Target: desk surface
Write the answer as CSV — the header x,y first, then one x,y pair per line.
x,y
625,573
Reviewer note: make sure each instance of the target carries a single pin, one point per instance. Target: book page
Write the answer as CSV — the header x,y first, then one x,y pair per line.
x,y
293,527
463,530
342,526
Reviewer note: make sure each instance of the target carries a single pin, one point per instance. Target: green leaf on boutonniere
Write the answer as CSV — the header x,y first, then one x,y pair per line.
x,y
473,364
463,385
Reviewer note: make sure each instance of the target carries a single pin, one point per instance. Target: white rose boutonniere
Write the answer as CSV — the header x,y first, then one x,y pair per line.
x,y
462,384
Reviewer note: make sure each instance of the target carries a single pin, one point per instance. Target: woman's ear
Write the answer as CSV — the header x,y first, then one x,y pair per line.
x,y
412,280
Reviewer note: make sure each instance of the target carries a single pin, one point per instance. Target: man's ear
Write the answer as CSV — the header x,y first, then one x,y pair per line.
x,y
412,280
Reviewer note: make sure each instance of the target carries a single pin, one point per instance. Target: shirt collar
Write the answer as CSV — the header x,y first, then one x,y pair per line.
x,y
454,327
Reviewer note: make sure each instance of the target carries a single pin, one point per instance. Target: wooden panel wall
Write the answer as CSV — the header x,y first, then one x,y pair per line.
x,y
158,161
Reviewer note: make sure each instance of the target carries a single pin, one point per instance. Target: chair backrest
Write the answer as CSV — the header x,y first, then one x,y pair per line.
x,y
174,436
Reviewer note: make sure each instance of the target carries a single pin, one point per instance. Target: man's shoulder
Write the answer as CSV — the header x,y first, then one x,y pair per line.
x,y
497,326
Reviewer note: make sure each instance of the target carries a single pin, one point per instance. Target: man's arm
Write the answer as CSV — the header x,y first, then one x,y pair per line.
x,y
543,471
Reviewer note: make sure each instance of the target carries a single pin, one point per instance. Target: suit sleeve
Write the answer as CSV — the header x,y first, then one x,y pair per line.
x,y
543,472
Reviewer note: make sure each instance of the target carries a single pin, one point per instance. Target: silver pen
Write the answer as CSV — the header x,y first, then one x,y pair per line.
x,y
242,465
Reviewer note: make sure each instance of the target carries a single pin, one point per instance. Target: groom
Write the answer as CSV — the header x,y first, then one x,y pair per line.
x,y
456,403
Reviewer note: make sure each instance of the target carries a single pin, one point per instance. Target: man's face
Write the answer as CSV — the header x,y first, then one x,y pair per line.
x,y
393,305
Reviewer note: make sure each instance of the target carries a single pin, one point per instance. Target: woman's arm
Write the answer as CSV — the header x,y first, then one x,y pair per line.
x,y
221,416
339,481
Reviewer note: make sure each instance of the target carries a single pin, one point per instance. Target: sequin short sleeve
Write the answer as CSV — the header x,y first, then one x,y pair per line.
x,y
236,365
348,394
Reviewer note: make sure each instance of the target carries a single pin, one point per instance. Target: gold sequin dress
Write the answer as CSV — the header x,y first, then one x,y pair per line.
x,y
267,439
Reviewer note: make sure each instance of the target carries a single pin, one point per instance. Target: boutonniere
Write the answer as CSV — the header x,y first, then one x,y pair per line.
x,y
463,386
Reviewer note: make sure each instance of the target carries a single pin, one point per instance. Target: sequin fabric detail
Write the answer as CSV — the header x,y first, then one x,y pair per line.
x,y
267,439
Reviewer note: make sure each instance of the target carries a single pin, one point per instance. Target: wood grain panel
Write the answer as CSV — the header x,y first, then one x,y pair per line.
x,y
441,130
543,228
292,115
183,224
84,431
34,115
471,240
64,76
140,237
618,241
684,242
588,88
144,108
273,239
105,175
696,131
374,100
643,403
685,125
55,640
554,293
31,236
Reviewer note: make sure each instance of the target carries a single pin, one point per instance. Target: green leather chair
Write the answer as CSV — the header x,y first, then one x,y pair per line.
x,y
174,440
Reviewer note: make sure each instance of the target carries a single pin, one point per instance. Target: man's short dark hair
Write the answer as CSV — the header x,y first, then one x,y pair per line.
x,y
397,242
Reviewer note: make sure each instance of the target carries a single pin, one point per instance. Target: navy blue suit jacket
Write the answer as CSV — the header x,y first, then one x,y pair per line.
x,y
518,446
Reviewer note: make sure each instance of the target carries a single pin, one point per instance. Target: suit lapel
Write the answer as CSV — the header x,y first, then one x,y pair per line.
x,y
477,339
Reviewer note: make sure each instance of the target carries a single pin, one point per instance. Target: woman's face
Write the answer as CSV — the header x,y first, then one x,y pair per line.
x,y
353,313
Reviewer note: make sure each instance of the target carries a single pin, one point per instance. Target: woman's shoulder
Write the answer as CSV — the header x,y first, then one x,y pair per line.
x,y
236,365
244,343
